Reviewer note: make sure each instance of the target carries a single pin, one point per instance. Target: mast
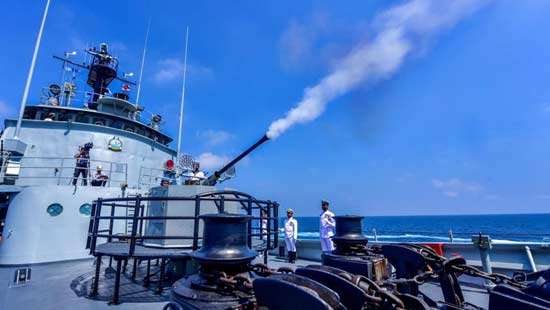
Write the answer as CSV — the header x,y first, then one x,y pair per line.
x,y
183,90
143,60
31,71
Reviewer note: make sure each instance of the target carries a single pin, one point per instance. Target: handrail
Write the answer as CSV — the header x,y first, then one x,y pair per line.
x,y
84,97
25,165
185,198
420,236
149,176
268,233
148,179
54,157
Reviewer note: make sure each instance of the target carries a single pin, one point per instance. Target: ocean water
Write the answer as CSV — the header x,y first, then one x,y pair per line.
x,y
508,228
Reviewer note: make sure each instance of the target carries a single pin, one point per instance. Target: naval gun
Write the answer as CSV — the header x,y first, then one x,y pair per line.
x,y
213,179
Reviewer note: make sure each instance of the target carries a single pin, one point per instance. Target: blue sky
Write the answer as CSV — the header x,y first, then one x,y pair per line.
x,y
461,127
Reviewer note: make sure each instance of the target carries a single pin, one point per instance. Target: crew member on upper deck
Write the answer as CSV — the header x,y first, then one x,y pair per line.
x,y
105,58
326,228
198,175
99,178
82,163
165,183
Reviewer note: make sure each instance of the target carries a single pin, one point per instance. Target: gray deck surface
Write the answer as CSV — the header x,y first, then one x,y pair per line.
x,y
65,285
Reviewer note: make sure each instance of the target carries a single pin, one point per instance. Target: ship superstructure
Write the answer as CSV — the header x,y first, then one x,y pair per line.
x,y
43,216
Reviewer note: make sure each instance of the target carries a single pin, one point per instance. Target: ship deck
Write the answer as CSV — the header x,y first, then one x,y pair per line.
x,y
66,285
121,249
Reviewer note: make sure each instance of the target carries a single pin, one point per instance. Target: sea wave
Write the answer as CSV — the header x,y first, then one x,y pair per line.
x,y
419,238
403,236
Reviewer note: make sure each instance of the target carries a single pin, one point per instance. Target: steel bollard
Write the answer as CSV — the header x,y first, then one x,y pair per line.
x,y
483,243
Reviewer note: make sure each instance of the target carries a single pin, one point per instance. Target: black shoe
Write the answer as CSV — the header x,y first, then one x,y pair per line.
x,y
292,257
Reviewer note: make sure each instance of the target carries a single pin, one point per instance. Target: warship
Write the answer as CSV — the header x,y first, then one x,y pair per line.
x,y
150,232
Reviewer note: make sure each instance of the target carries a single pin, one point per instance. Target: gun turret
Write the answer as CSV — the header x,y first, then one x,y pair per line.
x,y
213,179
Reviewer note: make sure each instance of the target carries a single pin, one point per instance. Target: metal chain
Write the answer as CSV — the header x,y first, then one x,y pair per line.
x,y
419,279
376,294
496,278
437,261
264,271
261,269
237,282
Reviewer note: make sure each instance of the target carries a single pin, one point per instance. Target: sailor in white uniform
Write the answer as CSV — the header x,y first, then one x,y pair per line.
x,y
326,228
194,176
291,235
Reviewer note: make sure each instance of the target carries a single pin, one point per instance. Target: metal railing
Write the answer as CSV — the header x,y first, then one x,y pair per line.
x,y
259,211
77,99
56,170
149,177
400,235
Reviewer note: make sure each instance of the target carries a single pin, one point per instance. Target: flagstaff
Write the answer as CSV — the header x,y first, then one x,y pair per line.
x,y
183,91
143,61
31,71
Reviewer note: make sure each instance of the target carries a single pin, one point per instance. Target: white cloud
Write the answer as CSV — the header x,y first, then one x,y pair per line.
x,y
117,47
314,41
297,43
400,31
197,71
215,137
78,44
171,69
454,187
210,161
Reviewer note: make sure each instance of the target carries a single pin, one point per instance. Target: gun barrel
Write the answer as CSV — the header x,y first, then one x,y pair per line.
x,y
214,178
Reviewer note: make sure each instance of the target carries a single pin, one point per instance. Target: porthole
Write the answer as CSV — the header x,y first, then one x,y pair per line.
x,y
54,209
85,209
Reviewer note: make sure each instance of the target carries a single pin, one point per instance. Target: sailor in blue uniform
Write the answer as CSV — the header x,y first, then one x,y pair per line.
x,y
82,163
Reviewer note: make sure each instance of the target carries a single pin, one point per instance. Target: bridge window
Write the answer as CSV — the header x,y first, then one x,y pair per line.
x,y
99,122
116,124
54,209
62,117
82,119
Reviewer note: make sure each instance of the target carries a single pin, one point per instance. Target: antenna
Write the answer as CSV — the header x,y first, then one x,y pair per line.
x,y
31,70
143,60
183,90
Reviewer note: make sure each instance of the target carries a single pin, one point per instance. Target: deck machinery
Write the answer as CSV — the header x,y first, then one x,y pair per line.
x,y
352,254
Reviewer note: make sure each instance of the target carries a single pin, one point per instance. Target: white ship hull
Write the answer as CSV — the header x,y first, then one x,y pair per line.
x,y
32,235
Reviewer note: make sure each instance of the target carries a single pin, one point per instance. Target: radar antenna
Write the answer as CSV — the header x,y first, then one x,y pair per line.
x,y
102,70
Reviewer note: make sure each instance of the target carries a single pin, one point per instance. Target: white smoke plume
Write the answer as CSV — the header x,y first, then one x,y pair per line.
x,y
399,31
